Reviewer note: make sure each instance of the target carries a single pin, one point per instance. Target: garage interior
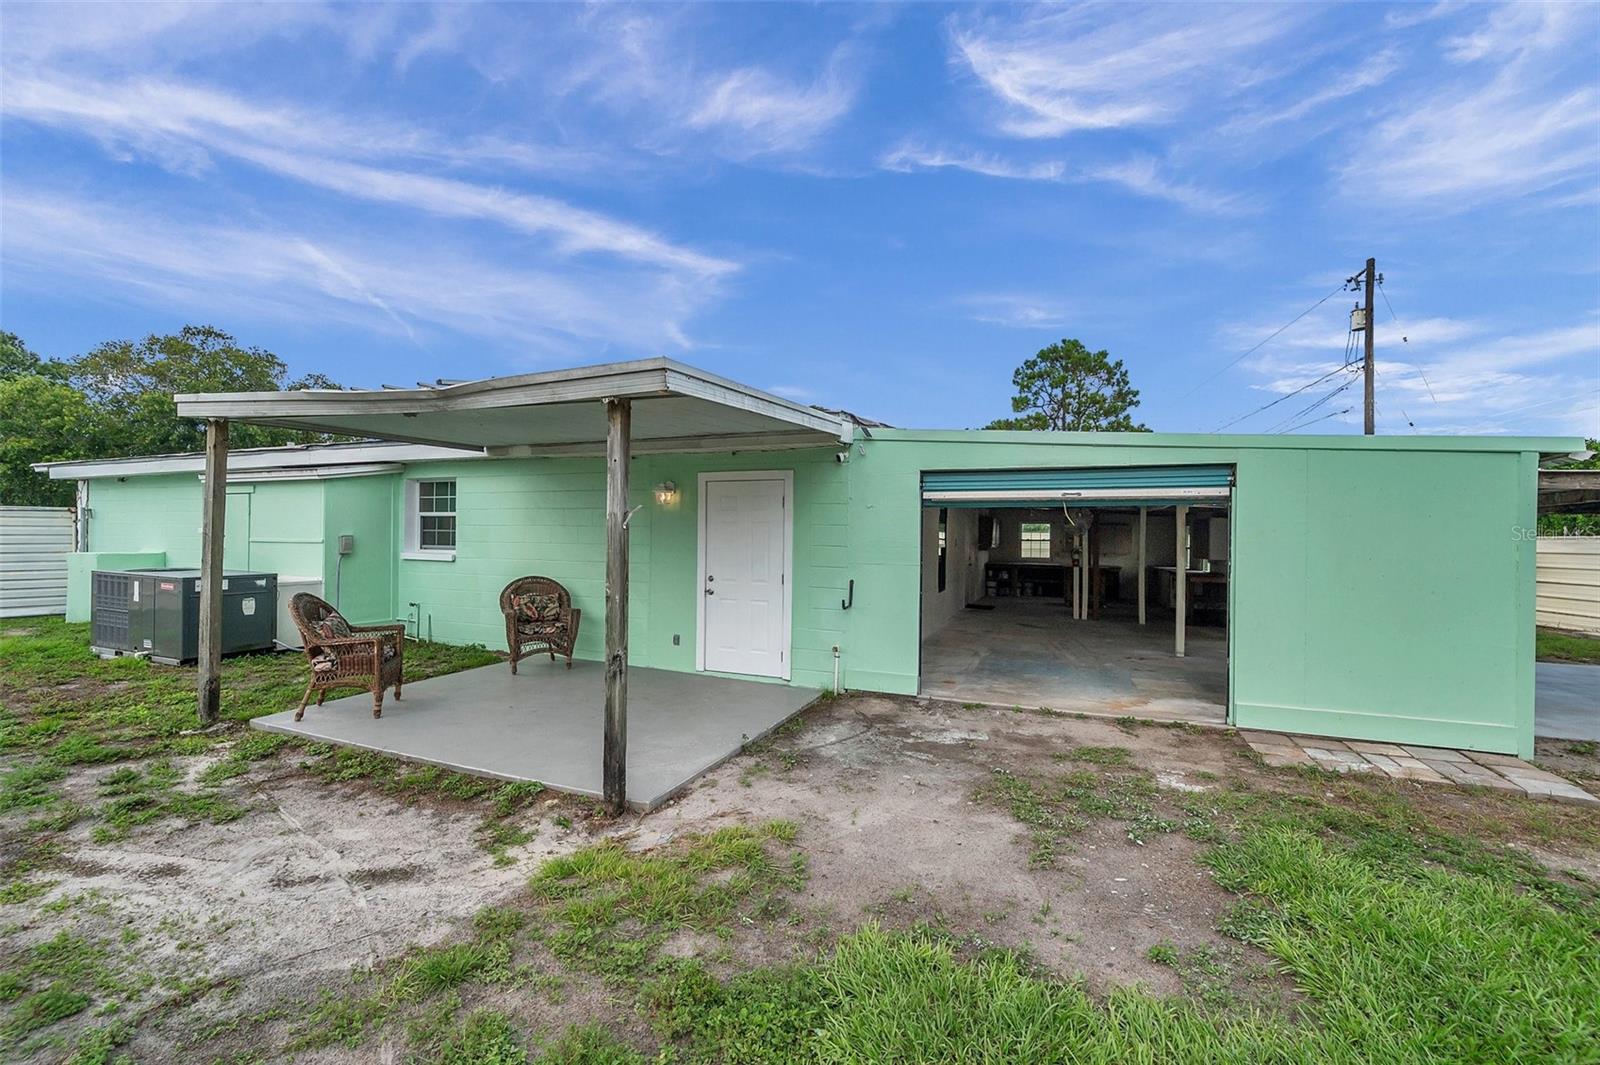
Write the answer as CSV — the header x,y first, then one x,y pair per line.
x,y
1032,592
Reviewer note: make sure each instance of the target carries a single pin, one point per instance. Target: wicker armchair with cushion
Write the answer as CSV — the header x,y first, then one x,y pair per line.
x,y
539,617
343,655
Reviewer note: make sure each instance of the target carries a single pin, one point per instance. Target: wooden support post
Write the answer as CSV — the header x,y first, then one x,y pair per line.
x,y
213,518
1095,587
1143,513
1181,595
1077,575
615,756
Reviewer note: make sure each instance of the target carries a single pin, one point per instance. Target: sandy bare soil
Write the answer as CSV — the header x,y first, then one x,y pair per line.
x,y
256,917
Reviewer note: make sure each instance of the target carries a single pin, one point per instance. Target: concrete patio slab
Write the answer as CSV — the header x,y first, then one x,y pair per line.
x,y
1566,701
546,724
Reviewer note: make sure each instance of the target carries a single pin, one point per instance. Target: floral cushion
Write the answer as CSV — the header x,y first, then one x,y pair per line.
x,y
539,615
334,627
537,608
328,661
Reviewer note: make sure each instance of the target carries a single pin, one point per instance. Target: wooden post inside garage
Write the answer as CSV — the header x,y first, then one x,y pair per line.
x,y
1181,592
1143,514
213,516
614,758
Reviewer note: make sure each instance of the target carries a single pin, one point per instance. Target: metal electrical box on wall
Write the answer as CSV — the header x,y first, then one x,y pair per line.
x,y
162,612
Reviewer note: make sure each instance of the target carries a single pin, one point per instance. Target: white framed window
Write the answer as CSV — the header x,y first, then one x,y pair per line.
x,y
1035,539
431,518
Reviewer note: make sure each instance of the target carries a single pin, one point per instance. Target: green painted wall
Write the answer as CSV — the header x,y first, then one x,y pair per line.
x,y
80,574
1381,587
285,527
547,516
365,508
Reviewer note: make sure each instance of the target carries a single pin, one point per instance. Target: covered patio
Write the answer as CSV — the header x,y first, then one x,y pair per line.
x,y
545,724
684,722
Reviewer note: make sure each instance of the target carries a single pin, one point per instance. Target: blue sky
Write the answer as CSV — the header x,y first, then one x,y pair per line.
x,y
882,208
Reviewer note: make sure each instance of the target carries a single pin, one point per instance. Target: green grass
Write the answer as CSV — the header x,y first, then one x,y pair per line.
x,y
1553,646
485,1038
589,1044
63,976
62,707
608,909
65,713
59,700
1419,964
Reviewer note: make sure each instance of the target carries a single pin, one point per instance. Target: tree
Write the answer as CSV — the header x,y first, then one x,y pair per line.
x,y
1068,387
16,360
42,421
116,401
132,384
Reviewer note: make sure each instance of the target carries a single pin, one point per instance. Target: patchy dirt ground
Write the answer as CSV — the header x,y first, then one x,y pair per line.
x,y
240,926
884,792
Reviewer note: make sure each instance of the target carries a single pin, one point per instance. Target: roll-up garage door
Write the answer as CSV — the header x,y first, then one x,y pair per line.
x,y
1098,487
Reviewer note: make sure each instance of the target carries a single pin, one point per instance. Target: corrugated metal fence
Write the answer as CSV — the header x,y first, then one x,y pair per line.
x,y
34,545
1569,583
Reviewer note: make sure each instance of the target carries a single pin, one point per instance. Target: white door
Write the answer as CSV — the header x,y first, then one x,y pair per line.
x,y
744,587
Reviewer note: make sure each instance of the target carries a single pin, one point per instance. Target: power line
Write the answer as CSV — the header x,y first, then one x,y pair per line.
x,y
1263,342
1543,403
1314,421
1406,340
1302,412
1287,395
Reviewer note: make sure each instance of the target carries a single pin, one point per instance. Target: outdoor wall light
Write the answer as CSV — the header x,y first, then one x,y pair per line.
x,y
667,493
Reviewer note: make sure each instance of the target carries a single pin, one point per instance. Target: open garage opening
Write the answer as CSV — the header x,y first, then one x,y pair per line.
x,y
1064,589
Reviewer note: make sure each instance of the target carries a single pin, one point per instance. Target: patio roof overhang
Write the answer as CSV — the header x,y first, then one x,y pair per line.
x,y
616,410
674,408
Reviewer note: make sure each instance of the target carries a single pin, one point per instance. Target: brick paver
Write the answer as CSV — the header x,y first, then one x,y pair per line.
x,y
1433,765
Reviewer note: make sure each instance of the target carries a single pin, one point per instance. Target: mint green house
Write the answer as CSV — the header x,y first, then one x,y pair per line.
x,y
1379,588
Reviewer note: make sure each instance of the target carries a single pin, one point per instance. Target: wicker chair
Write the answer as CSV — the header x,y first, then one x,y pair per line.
x,y
539,617
343,655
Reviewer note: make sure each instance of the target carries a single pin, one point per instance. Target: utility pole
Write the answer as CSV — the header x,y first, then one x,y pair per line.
x,y
1369,421
1368,280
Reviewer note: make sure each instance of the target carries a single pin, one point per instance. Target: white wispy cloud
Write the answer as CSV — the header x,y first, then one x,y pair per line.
x,y
763,113
377,280
1371,72
183,126
911,156
1016,310
1141,175
1144,176
1434,374
1521,118
1057,71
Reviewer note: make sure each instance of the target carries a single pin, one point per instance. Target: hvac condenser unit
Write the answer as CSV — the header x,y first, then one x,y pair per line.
x,y
157,612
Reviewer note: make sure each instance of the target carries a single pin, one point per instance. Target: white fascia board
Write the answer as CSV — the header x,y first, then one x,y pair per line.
x,y
314,473
643,379
689,382
674,445
255,459
1068,495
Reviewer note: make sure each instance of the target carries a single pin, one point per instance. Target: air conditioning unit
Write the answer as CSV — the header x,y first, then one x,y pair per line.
x,y
157,613
110,622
